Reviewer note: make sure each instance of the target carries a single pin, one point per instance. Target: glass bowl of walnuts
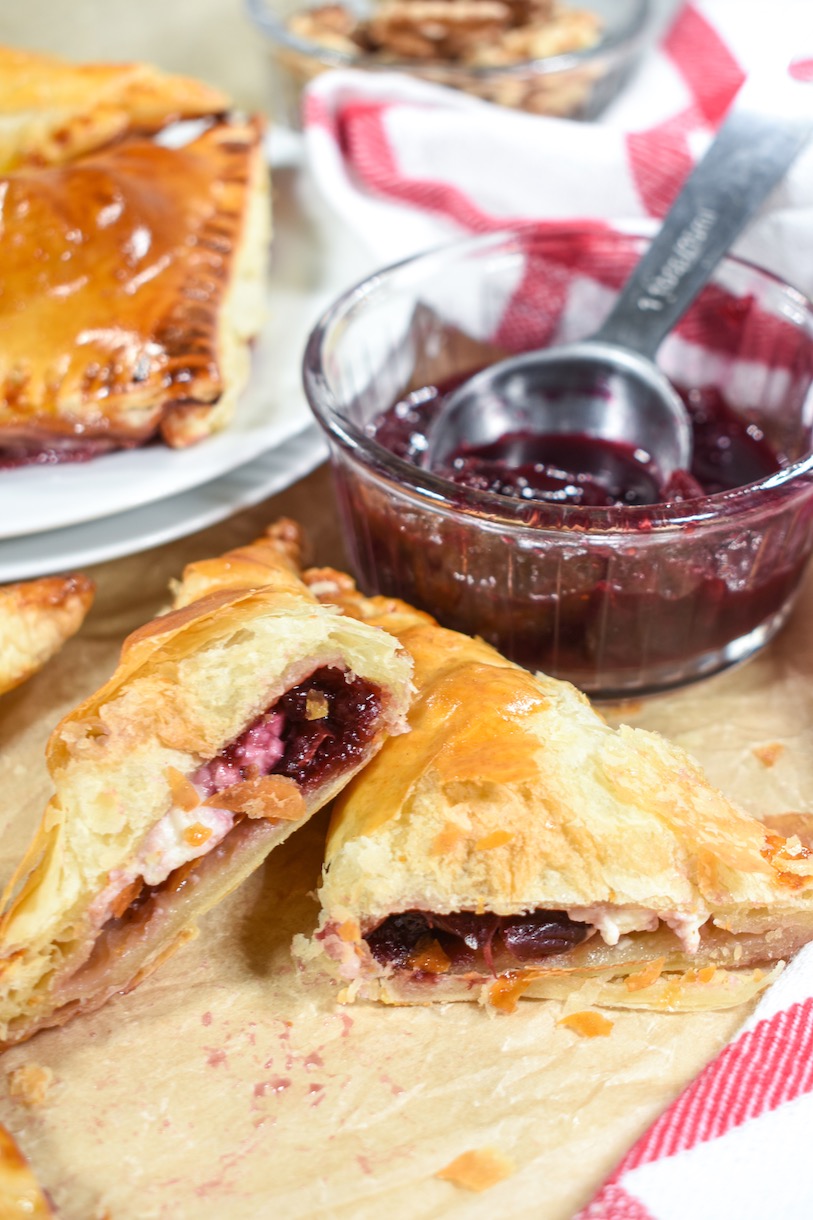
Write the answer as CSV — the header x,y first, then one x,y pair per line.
x,y
542,56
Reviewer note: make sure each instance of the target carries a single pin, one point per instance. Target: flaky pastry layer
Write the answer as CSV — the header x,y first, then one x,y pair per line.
x,y
53,111
166,794
36,618
511,797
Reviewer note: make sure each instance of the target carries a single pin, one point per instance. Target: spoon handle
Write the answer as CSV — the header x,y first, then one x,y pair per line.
x,y
751,152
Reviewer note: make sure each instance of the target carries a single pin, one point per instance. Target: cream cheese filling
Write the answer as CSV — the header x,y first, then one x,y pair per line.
x,y
180,836
614,922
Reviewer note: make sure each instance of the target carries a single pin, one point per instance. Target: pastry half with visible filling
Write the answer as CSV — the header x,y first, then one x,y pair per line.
x,y
36,618
513,843
227,724
52,111
133,282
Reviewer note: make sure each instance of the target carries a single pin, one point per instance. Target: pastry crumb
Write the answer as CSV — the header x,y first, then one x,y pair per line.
x,y
30,1083
349,931
504,992
768,753
430,957
447,839
645,977
497,838
587,1024
703,975
477,1170
316,705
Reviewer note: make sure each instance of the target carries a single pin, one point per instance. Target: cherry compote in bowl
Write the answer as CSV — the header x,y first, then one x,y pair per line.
x,y
573,559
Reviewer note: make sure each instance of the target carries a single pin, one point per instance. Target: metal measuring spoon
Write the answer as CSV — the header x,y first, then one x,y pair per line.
x,y
607,386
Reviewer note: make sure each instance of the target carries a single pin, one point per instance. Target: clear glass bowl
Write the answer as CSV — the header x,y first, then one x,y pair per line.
x,y
620,601
578,84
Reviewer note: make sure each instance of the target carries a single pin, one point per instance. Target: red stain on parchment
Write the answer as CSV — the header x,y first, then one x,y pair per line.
x,y
364,1164
313,1060
216,1057
228,1162
347,1023
277,1084
206,1019
395,1089
317,1092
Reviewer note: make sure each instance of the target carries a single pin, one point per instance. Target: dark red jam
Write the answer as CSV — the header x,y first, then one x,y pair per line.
x,y
619,600
318,746
316,729
472,942
728,452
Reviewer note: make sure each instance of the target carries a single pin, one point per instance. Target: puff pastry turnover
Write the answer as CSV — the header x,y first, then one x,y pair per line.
x,y
132,282
228,722
513,843
52,111
36,618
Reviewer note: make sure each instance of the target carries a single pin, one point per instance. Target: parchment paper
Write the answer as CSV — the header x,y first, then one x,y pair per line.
x,y
231,1085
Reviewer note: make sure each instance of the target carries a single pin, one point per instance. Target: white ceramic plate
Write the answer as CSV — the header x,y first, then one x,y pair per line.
x,y
174,517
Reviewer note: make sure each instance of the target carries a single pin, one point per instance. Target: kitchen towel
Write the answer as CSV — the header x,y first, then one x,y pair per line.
x,y
408,165
734,1145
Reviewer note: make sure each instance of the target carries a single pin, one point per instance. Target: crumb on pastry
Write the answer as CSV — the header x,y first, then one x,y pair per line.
x,y
29,1084
644,978
477,1170
768,753
587,1024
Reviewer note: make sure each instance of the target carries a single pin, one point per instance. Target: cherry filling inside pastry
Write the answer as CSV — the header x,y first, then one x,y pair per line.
x,y
315,731
419,940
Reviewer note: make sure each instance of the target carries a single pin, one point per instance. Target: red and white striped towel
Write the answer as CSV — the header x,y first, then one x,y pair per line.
x,y
408,165
734,1146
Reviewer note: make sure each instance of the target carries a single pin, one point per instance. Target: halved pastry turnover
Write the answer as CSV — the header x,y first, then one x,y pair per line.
x,y
36,618
53,111
133,281
513,843
228,722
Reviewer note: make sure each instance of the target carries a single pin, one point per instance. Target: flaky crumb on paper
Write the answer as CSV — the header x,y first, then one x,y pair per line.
x,y
29,1084
477,1170
587,1024
768,753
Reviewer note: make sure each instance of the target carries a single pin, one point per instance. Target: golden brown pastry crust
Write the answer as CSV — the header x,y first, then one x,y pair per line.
x,y
21,1196
36,618
52,111
75,926
511,794
133,282
274,560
